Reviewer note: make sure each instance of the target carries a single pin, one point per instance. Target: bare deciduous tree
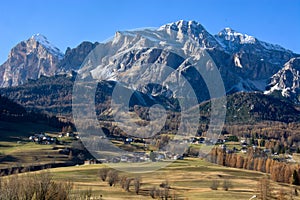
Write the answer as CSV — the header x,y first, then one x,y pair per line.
x,y
152,192
264,189
127,184
123,181
214,185
112,177
42,187
227,184
164,193
103,173
137,184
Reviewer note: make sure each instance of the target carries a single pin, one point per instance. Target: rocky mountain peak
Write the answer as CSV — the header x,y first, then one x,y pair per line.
x,y
234,36
245,62
293,63
75,56
41,39
29,60
287,80
186,27
233,41
193,30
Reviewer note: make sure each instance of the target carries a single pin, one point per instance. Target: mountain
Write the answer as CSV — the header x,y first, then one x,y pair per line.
x,y
74,57
286,81
245,63
53,95
36,57
254,60
234,41
29,60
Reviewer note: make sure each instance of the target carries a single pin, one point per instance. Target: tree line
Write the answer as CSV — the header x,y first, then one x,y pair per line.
x,y
258,161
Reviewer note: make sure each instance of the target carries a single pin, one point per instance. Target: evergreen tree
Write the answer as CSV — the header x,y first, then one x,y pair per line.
x,y
295,178
152,156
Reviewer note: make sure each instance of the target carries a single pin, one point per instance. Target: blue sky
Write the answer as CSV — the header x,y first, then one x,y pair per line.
x,y
68,23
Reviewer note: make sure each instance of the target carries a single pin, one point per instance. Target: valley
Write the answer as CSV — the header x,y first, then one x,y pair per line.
x,y
198,115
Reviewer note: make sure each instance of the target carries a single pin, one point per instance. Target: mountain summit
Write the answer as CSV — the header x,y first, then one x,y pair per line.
x,y
29,60
41,39
191,29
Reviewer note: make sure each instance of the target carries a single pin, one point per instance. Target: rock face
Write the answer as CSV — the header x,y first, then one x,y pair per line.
x,y
37,57
29,60
74,57
253,58
245,63
287,80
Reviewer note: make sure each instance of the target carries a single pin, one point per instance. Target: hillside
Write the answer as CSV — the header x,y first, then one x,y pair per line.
x,y
53,95
251,108
15,120
50,94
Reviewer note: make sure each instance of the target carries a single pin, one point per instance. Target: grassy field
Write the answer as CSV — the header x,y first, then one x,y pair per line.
x,y
189,179
16,150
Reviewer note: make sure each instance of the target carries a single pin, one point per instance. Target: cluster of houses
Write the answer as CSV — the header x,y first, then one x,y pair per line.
x,y
136,157
68,134
241,146
43,138
133,157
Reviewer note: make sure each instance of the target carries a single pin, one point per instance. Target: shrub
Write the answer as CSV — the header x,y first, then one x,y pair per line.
x,y
214,185
42,187
227,184
152,192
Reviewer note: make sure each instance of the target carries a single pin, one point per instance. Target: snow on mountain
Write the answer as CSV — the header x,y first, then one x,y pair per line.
x,y
182,29
233,40
234,36
49,46
287,80
30,59
244,61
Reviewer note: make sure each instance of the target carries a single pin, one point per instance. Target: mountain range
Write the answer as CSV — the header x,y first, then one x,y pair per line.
x,y
245,63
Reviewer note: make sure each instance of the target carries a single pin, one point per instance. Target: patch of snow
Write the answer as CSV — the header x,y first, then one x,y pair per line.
x,y
231,35
45,43
272,89
237,61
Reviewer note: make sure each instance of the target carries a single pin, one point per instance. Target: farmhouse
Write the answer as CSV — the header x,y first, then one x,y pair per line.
x,y
42,138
